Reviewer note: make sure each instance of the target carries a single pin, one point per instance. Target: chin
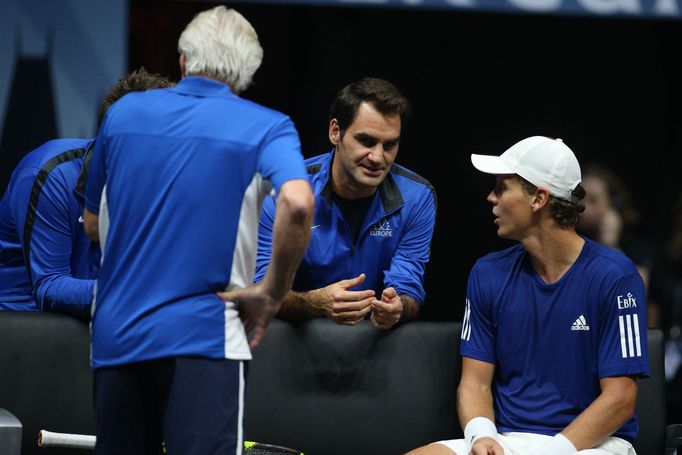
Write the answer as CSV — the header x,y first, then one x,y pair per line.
x,y
501,233
371,181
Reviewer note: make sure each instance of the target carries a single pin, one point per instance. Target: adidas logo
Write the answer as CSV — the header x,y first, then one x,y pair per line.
x,y
580,324
381,229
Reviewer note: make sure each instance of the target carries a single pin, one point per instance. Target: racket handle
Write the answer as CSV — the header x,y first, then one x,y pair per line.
x,y
73,441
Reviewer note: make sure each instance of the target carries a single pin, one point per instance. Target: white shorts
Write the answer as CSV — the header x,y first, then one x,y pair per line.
x,y
525,443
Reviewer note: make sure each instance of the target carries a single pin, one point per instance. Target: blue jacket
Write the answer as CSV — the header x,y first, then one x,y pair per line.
x,y
47,261
392,248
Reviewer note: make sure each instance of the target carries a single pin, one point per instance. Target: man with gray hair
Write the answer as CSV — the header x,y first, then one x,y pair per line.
x,y
176,182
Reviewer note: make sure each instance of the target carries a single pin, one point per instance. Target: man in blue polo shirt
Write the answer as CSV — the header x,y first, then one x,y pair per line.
x,y
554,331
47,262
174,190
373,218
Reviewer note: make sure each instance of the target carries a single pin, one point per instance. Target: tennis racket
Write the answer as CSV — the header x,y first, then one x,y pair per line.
x,y
85,441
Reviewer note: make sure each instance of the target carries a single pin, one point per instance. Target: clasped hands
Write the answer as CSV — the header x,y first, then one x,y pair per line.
x,y
344,306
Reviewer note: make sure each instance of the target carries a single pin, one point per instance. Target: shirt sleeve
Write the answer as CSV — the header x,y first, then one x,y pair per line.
x,y
265,227
97,175
623,348
478,335
280,156
50,252
406,273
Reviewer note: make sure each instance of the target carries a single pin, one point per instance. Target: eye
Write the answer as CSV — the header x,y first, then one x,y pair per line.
x,y
390,145
367,141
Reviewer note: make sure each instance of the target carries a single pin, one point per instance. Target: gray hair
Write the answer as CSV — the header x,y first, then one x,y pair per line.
x,y
221,44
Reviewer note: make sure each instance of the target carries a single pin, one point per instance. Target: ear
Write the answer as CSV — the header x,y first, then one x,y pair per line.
x,y
182,65
334,132
540,200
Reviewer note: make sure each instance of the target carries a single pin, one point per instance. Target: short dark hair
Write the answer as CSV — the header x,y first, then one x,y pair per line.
x,y
383,95
137,81
564,212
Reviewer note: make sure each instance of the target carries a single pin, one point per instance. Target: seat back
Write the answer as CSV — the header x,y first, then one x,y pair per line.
x,y
328,389
319,387
650,406
45,375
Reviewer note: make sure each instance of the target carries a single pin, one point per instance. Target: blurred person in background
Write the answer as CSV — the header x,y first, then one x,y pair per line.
x,y
611,219
666,289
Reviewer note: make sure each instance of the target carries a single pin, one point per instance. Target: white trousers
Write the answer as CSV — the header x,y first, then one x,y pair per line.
x,y
526,443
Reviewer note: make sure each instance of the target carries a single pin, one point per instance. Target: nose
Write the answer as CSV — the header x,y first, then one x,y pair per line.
x,y
375,154
492,198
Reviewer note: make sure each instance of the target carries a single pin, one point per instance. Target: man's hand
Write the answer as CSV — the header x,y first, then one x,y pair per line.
x,y
341,305
486,446
387,311
256,309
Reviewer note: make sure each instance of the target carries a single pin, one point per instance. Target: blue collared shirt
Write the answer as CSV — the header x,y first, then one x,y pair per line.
x,y
176,166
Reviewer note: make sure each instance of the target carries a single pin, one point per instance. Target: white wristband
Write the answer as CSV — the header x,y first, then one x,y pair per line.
x,y
559,445
477,428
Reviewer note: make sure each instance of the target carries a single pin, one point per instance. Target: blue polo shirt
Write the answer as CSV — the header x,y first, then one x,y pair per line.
x,y
552,343
391,249
47,262
176,166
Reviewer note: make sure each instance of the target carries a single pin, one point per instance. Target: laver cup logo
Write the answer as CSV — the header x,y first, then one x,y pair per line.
x,y
381,229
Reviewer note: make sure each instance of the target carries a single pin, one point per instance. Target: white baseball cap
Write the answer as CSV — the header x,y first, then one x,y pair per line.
x,y
543,161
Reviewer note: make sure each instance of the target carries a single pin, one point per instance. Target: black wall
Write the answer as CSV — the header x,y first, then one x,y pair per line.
x,y
478,83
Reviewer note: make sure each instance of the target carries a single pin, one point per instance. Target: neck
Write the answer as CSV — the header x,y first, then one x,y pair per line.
x,y
553,250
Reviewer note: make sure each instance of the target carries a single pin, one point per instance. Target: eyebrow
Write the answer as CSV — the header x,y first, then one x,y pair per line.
x,y
365,136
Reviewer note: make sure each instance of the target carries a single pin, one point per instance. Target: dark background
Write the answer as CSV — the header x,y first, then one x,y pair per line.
x,y
478,83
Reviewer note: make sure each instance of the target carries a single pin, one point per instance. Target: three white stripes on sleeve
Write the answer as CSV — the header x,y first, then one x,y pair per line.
x,y
630,344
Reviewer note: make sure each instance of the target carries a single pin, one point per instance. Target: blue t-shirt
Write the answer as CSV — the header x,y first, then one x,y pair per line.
x,y
552,343
176,166
47,262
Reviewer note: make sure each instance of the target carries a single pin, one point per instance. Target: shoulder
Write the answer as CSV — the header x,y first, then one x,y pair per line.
x,y
499,262
409,179
314,165
317,168
56,159
415,189
55,152
605,261
206,105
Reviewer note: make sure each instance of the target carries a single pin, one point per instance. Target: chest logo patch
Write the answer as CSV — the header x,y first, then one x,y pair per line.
x,y
381,229
580,324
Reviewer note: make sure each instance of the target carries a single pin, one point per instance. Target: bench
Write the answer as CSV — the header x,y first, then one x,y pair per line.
x,y
319,387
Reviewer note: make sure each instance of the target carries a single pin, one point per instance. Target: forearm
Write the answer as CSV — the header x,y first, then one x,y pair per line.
x,y
65,294
474,400
600,420
299,306
291,235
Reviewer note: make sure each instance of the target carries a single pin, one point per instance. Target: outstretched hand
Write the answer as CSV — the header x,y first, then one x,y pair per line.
x,y
256,309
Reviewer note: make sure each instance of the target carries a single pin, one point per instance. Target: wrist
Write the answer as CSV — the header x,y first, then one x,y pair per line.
x,y
477,428
316,302
559,445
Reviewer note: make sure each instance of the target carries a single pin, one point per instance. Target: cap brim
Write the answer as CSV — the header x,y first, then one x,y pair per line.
x,y
490,164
